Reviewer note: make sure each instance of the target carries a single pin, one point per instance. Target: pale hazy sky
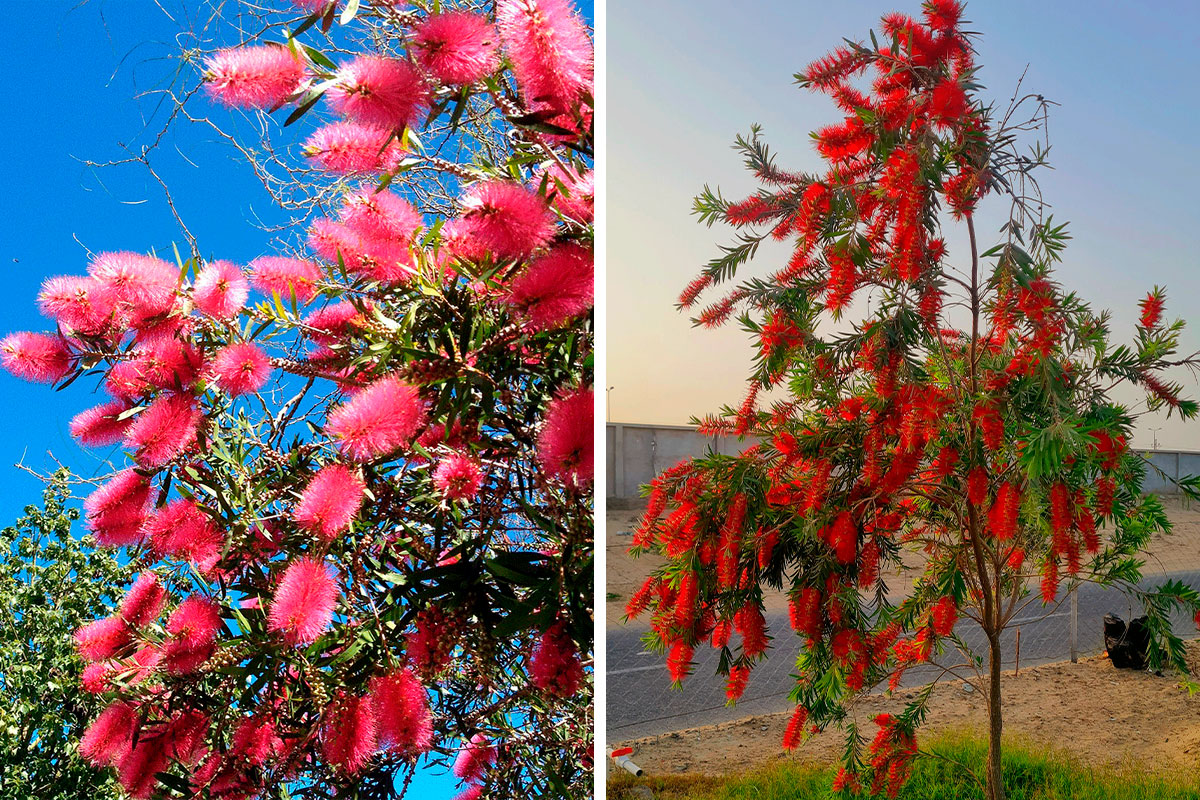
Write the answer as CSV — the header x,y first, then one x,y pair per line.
x,y
684,77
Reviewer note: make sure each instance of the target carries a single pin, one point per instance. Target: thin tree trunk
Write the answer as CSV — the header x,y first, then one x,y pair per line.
x,y
995,775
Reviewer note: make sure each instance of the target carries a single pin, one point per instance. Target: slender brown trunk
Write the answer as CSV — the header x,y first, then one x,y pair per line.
x,y
995,775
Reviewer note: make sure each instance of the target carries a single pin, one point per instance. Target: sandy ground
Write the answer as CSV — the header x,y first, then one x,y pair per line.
x,y
1179,551
1089,709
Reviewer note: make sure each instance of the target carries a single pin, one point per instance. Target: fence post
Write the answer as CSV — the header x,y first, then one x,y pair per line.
x,y
1074,626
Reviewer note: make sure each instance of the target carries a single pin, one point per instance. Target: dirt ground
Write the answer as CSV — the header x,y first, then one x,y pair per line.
x,y
1179,551
1089,709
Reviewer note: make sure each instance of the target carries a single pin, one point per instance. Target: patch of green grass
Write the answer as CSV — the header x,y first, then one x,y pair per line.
x,y
1030,773
613,596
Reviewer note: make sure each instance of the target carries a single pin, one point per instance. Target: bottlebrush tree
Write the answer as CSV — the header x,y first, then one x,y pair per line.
x,y
368,460
959,410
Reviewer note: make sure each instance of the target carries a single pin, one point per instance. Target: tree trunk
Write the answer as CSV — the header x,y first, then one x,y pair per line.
x,y
995,776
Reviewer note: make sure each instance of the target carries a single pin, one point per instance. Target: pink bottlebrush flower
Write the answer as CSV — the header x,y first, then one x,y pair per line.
x,y
456,47
102,639
188,730
220,290
350,148
565,445
110,734
240,368
333,322
314,6
257,741
82,304
474,758
144,600
285,277
115,511
555,287
99,426
555,667
163,361
127,380
402,711
143,664
380,214
550,51
504,219
193,626
330,502
253,77
378,420
385,260
386,93
181,529
96,677
143,286
574,195
428,647
138,768
164,430
302,608
38,357
349,732
458,477
472,792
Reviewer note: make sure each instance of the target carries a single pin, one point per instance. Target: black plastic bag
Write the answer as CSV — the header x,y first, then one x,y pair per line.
x,y
1127,645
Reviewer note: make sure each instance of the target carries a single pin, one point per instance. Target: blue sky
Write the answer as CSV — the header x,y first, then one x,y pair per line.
x,y
82,67
685,77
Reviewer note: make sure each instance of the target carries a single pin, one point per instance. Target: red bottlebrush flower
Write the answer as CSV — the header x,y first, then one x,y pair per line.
x,y
565,444
793,735
144,600
572,193
386,93
843,538
402,711
253,77
1002,517
766,547
832,69
1196,619
1106,489
721,633
164,430
385,260
99,426
1049,581
679,661
285,277
302,608
845,644
240,368
686,600
456,47
353,148
378,420
110,734
37,357
193,627
690,294
1060,510
977,486
458,477
330,502
991,426
640,600
550,51
103,638
1016,559
750,623
96,677
736,685
942,616
257,741
349,732
115,511
137,769
868,569
181,529
554,288
380,215
81,304
220,290
1152,309
943,15
948,102
1163,391
474,759
943,465
555,667
805,612
144,286
505,220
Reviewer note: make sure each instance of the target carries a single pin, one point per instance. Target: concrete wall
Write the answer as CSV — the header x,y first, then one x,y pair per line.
x,y
634,454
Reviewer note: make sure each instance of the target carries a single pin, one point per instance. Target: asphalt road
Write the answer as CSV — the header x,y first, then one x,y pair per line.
x,y
641,701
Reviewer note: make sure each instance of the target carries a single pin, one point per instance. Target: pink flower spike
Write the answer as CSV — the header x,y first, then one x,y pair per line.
x,y
166,429
181,529
143,286
333,322
253,77
79,303
285,277
110,735
349,731
144,600
555,287
302,608
383,92
96,677
330,501
505,220
352,148
574,195
458,477
256,740
221,290
116,510
380,215
193,626
38,357
555,667
240,368
377,421
137,770
550,49
456,47
565,446
402,710
99,426
474,758
102,639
